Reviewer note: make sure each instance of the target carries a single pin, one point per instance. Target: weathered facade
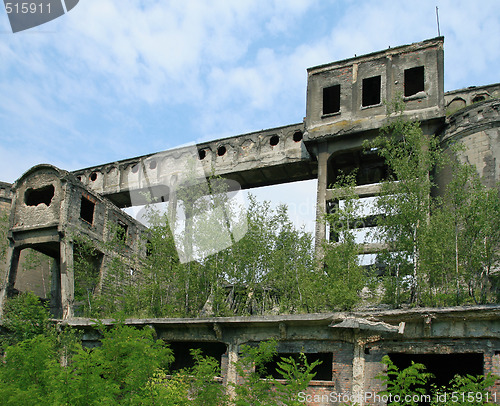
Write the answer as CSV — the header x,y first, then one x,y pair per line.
x,y
345,106
350,345
50,211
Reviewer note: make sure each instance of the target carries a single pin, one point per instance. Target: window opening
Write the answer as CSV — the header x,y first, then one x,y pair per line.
x,y
34,197
183,358
221,150
414,81
443,366
87,210
34,274
202,154
121,231
274,140
87,263
93,176
479,98
371,91
331,99
297,136
323,371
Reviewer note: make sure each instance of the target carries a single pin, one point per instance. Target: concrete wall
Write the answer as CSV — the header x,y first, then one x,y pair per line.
x,y
477,129
390,65
356,348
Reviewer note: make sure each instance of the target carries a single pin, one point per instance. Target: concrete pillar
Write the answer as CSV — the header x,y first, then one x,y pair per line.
x,y
172,209
9,280
232,375
67,278
358,371
55,289
320,233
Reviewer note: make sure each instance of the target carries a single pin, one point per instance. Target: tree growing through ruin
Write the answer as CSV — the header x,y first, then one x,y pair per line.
x,y
442,248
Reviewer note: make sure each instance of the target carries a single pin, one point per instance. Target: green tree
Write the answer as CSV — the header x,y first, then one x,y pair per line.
x,y
475,212
25,317
405,202
343,277
465,390
404,386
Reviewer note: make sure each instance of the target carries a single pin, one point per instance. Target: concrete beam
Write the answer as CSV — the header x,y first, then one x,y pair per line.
x,y
262,158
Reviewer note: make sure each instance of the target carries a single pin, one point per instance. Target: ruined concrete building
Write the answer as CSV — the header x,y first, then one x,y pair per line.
x,y
345,106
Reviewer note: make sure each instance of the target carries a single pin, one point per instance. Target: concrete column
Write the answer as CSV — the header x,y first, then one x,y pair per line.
x,y
67,278
55,289
172,209
320,233
358,371
9,280
232,375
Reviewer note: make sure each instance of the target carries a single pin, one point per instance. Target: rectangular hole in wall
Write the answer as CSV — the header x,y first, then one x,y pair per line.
x,y
371,91
443,366
34,197
323,370
331,99
414,81
87,210
87,264
182,355
34,273
122,231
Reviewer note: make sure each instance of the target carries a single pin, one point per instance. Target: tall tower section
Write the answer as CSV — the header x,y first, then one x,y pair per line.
x,y
346,105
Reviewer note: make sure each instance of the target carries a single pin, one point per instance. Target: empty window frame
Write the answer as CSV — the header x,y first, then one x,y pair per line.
x,y
182,353
371,91
443,366
87,208
323,371
34,197
331,99
414,81
122,231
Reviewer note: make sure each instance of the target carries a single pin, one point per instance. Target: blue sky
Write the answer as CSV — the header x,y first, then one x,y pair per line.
x,y
113,79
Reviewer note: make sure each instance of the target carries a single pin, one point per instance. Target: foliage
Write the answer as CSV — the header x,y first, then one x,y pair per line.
x,y
257,388
343,276
297,376
269,270
464,390
4,227
204,390
441,249
86,271
130,367
405,202
25,317
408,386
405,384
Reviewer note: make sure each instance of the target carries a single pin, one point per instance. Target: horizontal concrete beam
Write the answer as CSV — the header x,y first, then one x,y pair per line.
x,y
256,159
361,191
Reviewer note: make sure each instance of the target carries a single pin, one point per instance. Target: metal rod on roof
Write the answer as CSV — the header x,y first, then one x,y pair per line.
x,y
437,19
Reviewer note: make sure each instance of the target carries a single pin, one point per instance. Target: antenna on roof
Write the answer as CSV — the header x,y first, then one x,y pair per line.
x,y
437,19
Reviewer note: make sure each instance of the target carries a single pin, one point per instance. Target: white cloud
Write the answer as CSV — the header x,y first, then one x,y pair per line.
x,y
95,84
